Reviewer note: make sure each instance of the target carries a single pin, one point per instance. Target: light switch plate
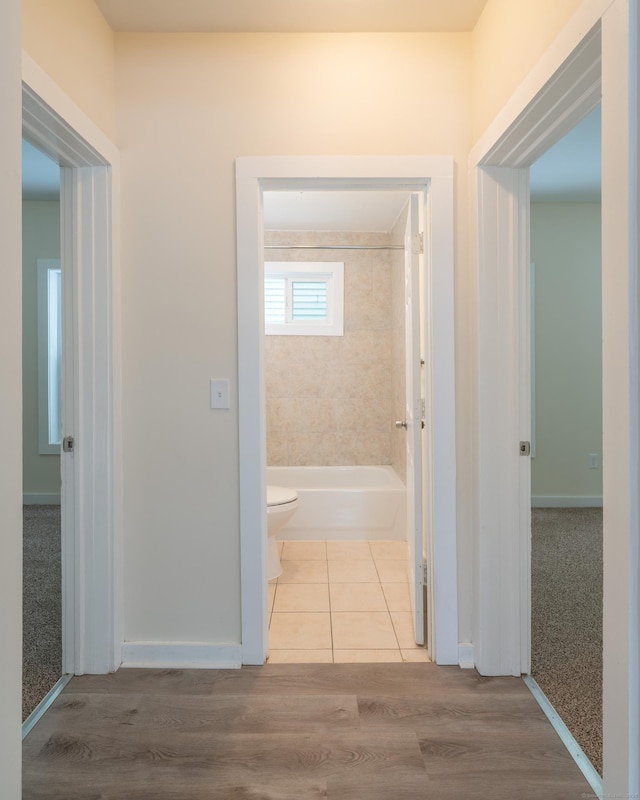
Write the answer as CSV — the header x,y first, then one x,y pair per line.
x,y
220,393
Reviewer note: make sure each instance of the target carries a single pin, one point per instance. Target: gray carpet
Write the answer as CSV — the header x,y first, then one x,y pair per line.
x,y
566,618
42,604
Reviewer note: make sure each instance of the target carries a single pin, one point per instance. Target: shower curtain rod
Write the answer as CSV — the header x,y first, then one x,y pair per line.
x,y
333,247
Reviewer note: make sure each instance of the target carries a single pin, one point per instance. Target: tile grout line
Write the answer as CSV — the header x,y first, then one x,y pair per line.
x,y
333,650
387,604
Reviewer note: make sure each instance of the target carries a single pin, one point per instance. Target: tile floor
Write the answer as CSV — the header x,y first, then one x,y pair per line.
x,y
341,602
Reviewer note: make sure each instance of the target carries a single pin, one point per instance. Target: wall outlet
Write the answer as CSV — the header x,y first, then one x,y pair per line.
x,y
594,461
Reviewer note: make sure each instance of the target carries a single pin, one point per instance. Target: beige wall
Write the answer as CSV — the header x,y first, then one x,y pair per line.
x,y
566,248
187,106
40,239
329,398
71,41
508,40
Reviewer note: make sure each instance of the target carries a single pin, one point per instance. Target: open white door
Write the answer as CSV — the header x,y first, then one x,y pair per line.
x,y
413,245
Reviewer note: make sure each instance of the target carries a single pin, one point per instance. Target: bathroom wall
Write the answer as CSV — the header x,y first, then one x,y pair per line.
x,y
398,369
329,398
40,239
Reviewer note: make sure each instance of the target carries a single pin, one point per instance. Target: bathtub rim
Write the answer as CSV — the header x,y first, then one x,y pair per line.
x,y
395,484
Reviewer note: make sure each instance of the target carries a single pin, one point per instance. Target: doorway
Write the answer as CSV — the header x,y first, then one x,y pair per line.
x,y
566,445
340,352
253,177
41,370
569,84
90,414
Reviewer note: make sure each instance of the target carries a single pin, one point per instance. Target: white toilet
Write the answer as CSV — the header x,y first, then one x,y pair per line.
x,y
281,505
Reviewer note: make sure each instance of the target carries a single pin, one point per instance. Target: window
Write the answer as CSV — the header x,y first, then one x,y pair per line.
x,y
49,355
304,299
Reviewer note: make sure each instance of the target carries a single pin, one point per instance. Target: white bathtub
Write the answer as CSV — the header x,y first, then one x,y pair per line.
x,y
344,502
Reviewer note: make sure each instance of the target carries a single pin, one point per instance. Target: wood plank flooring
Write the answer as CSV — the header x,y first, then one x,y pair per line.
x,y
298,732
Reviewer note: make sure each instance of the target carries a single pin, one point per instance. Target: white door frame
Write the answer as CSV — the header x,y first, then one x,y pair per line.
x,y
417,387
596,53
92,485
253,176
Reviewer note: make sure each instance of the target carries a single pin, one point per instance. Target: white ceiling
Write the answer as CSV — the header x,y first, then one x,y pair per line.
x,y
333,210
287,16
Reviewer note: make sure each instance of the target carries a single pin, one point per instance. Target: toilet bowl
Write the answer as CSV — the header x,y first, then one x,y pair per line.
x,y
281,506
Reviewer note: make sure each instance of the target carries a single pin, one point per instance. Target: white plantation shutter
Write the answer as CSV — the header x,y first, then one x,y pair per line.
x,y
304,299
275,301
309,300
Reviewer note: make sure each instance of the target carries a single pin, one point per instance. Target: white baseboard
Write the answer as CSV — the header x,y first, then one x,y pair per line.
x,y
561,501
181,655
41,499
466,656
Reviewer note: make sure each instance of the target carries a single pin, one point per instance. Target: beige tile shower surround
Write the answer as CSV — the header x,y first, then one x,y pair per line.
x,y
330,399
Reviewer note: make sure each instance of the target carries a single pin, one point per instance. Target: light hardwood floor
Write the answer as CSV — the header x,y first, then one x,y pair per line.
x,y
298,732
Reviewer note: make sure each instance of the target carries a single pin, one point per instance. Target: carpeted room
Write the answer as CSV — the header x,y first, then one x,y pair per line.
x,y
566,468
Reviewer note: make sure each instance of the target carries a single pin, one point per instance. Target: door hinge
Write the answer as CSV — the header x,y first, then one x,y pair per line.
x,y
68,444
425,574
525,448
418,244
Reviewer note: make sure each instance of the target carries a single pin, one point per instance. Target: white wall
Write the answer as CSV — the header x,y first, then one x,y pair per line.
x,y
187,106
566,249
40,239
10,402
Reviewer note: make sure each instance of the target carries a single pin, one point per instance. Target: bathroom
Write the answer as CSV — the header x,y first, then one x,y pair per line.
x,y
332,401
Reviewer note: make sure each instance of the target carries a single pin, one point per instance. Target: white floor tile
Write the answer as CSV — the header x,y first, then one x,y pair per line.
x,y
337,551
302,597
357,597
388,550
304,551
397,596
300,657
392,571
303,572
362,630
342,601
352,571
403,626
366,656
300,631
